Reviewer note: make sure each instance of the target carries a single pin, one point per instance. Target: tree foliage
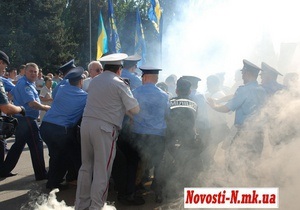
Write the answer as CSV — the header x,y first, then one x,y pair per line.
x,y
50,33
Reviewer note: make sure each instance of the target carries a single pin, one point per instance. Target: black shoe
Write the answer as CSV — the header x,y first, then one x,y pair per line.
x,y
131,200
158,198
8,175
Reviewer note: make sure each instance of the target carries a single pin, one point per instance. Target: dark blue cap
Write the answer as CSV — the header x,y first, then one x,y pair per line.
x,y
75,74
4,57
67,67
192,79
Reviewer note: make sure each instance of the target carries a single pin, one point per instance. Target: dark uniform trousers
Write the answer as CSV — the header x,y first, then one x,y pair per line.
x,y
2,150
59,140
151,149
27,132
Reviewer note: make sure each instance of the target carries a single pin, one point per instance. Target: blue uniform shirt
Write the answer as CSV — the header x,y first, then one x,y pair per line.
x,y
272,87
8,85
67,107
247,99
25,92
63,82
135,81
154,105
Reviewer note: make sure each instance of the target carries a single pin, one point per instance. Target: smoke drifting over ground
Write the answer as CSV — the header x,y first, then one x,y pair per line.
x,y
49,202
215,36
279,164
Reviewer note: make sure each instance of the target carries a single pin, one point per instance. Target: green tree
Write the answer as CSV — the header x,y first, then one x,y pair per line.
x,y
33,32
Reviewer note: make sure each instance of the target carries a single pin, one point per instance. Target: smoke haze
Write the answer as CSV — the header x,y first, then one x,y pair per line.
x,y
214,36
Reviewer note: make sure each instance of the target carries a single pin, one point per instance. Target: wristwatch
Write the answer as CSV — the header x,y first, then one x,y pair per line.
x,y
22,112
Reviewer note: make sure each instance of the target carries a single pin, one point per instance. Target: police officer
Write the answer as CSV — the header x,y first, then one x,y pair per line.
x,y
59,126
27,130
149,125
6,108
108,100
202,123
247,100
269,79
180,138
64,69
129,71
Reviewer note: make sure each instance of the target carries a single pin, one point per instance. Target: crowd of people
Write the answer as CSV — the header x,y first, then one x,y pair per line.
x,y
114,124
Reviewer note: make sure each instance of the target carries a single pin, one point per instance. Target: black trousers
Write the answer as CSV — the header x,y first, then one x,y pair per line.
x,y
59,141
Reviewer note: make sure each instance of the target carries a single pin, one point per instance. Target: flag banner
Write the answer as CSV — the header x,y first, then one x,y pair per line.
x,y
139,42
102,45
114,41
154,14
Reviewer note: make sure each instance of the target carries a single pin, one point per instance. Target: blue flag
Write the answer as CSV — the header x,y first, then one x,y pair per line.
x,y
114,41
102,45
154,14
139,42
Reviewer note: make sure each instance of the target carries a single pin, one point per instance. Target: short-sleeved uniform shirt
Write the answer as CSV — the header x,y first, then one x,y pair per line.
x,y
247,99
67,107
154,107
25,92
135,81
109,98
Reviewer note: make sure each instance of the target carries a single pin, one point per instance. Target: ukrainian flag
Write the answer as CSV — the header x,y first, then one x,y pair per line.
x,y
102,46
114,41
139,42
154,14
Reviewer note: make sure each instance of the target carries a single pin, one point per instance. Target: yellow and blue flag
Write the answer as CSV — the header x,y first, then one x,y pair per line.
x,y
139,42
154,14
114,41
102,45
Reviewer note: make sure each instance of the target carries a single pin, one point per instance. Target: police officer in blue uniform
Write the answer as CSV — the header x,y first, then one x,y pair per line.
x,y
25,94
59,126
269,79
247,101
64,69
128,72
149,125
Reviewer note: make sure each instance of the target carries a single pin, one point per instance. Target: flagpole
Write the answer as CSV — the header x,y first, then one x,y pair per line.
x,y
90,28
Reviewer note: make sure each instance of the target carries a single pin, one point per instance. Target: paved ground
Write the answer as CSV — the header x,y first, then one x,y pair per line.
x,y
22,191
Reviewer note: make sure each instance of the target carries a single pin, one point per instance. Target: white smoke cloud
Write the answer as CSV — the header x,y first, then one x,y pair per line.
x,y
214,36
50,202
